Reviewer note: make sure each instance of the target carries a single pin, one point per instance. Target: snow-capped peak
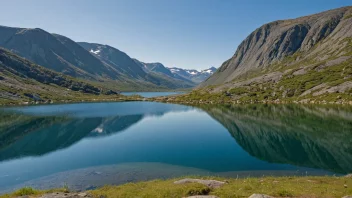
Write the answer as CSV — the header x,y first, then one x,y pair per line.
x,y
208,71
173,70
191,72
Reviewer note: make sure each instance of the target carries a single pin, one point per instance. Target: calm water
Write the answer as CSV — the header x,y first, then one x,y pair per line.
x,y
151,94
92,144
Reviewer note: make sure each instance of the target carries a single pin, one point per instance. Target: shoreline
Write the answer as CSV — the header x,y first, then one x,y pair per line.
x,y
287,186
178,99
175,100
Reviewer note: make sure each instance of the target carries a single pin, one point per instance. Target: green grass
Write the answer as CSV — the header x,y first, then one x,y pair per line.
x,y
31,192
274,186
288,89
26,191
348,16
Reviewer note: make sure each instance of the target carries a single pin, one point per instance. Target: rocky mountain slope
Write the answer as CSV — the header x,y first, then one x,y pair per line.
x,y
298,58
134,69
22,80
115,58
54,52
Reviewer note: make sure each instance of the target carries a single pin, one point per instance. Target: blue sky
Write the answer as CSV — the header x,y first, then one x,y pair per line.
x,y
182,33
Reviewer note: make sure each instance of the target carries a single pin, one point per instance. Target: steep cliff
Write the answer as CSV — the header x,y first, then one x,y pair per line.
x,y
322,39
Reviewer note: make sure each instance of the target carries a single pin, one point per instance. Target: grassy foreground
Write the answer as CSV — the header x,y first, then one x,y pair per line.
x,y
274,186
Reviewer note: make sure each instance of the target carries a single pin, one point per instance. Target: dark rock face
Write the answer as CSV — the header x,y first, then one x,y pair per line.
x,y
312,35
35,97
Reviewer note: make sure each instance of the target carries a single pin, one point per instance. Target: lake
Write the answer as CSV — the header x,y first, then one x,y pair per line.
x,y
92,144
151,94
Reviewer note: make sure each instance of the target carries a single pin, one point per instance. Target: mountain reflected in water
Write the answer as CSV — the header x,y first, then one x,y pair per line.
x,y
315,136
206,140
37,130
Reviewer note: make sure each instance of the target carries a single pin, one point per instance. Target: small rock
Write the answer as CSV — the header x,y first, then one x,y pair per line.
x,y
260,196
345,185
65,195
83,194
349,175
209,183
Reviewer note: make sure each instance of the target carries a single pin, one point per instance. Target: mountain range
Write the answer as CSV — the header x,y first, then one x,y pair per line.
x,y
98,63
191,75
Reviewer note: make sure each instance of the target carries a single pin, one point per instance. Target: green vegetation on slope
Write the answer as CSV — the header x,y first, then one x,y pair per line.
x,y
22,81
321,81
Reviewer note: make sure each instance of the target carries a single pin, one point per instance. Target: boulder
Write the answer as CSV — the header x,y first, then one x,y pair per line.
x,y
65,195
260,196
209,183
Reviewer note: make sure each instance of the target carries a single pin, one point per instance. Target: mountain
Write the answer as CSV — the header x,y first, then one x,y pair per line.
x,y
54,52
192,74
134,69
115,58
305,57
159,71
22,80
158,68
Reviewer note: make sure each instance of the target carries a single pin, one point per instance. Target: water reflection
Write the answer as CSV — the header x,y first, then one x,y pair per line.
x,y
214,139
37,130
307,136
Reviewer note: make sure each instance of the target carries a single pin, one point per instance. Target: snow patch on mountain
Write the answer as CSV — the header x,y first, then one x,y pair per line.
x,y
173,70
192,72
95,52
209,71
